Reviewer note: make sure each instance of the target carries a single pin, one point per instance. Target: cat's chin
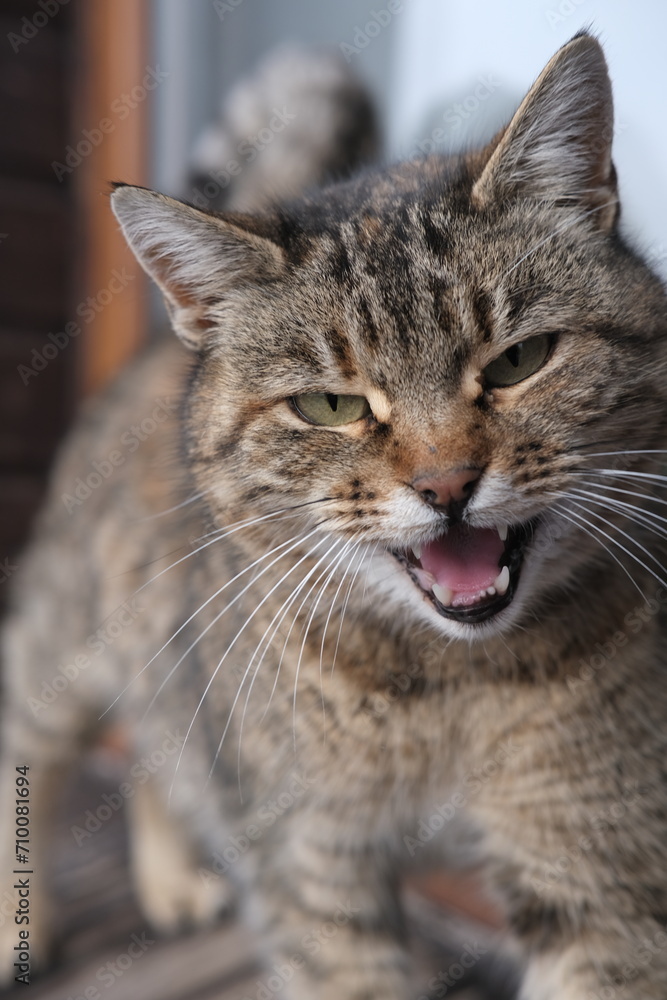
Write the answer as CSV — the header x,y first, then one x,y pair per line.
x,y
484,603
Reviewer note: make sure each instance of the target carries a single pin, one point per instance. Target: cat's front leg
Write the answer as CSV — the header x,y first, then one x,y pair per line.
x,y
589,913
584,877
330,915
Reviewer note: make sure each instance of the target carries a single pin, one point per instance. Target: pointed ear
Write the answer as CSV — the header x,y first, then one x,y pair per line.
x,y
557,148
195,258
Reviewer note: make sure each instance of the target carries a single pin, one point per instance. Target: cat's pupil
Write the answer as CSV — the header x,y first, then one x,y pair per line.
x,y
513,354
332,400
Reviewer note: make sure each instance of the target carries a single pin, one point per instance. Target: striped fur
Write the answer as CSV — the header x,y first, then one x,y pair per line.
x,y
334,719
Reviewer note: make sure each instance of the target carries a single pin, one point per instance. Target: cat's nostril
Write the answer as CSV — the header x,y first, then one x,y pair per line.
x,y
430,496
452,487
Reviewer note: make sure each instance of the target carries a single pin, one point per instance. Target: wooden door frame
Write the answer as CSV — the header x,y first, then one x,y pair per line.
x,y
111,132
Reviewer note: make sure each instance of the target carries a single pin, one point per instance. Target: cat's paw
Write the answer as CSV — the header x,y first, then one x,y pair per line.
x,y
172,891
174,895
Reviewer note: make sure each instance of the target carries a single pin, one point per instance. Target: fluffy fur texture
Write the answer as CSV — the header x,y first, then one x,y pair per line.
x,y
287,633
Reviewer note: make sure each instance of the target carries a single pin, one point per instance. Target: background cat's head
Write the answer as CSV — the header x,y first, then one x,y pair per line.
x,y
430,360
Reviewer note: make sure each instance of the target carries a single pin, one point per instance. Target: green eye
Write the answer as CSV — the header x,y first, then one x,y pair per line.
x,y
329,410
518,362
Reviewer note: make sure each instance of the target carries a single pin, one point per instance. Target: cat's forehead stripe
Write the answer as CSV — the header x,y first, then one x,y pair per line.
x,y
482,308
340,348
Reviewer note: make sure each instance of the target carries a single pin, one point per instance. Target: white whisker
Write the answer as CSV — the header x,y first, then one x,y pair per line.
x,y
342,617
630,474
625,535
297,539
634,513
303,644
631,493
225,655
220,534
561,513
624,451
178,506
281,615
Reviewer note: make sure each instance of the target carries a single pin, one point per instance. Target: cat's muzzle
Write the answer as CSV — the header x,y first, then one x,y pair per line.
x,y
488,567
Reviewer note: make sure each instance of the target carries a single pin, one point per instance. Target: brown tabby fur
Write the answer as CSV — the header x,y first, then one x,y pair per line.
x,y
543,728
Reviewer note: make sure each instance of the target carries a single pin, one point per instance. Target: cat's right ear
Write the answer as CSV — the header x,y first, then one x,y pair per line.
x,y
557,147
197,259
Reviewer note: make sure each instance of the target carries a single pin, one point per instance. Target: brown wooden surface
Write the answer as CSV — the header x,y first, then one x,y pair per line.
x,y
60,247
115,59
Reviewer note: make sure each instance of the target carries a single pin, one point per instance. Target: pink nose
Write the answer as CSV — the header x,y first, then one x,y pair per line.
x,y
452,487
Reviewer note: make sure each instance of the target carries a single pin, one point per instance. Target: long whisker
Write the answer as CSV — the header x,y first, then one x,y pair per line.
x,y
283,611
281,614
220,534
224,533
631,493
625,535
303,645
330,612
278,515
625,451
631,510
561,513
342,617
178,506
643,490
630,474
296,540
238,693
226,653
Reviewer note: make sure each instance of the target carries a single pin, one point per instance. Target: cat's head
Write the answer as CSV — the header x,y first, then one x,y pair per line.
x,y
429,360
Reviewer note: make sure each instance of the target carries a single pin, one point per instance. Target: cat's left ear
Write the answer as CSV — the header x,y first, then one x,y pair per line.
x,y
196,259
557,148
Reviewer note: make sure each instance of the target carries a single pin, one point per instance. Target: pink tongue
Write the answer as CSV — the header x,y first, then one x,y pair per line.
x,y
465,559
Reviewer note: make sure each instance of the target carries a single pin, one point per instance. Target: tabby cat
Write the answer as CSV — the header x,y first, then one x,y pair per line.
x,y
414,574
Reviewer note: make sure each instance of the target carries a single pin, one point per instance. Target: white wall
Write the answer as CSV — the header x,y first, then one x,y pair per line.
x,y
443,48
429,57
206,46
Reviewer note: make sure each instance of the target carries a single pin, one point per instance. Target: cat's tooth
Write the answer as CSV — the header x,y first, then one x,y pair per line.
x,y
502,530
417,551
502,581
443,594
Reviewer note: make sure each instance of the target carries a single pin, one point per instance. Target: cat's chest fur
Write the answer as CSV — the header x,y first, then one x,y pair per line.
x,y
377,706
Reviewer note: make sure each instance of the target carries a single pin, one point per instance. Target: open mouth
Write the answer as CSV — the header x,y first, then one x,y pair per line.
x,y
469,574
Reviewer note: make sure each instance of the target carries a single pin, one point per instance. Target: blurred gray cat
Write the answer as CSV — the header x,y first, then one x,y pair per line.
x,y
302,120
417,454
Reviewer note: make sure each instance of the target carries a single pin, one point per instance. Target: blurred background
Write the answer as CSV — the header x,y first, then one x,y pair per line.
x,y
93,91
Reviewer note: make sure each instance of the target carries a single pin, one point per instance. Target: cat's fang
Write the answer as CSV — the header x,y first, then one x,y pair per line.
x,y
503,531
443,594
417,551
502,581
